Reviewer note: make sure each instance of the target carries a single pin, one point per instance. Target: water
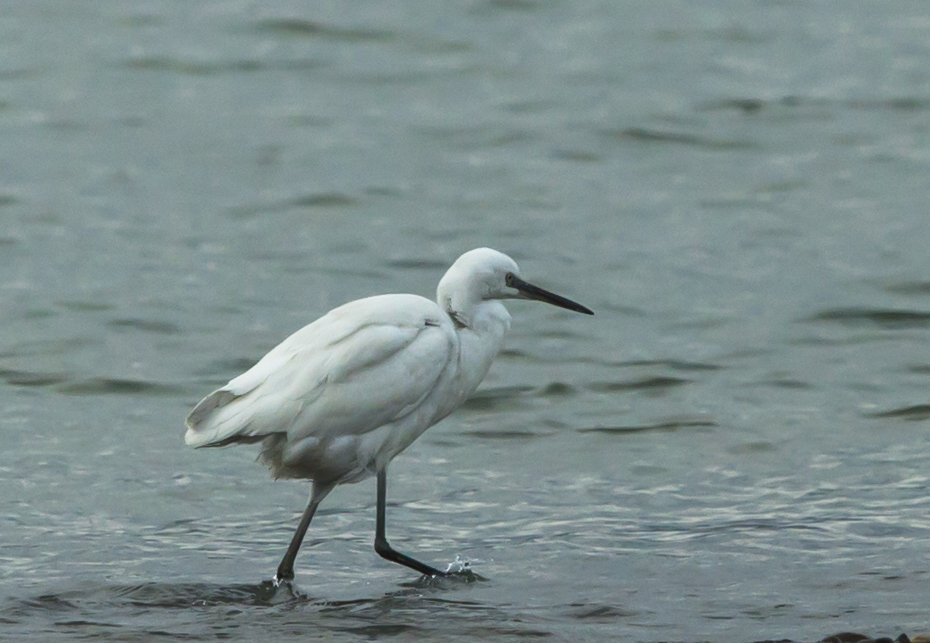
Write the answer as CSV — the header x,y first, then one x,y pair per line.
x,y
734,448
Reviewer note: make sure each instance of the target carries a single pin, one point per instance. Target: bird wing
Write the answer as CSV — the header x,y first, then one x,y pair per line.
x,y
363,365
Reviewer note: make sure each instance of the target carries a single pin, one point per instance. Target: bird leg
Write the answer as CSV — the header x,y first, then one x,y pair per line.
x,y
286,568
383,548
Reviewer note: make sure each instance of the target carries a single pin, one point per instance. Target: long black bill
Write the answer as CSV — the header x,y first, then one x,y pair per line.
x,y
535,292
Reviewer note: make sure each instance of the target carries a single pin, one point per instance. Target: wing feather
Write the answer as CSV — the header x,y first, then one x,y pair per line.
x,y
361,366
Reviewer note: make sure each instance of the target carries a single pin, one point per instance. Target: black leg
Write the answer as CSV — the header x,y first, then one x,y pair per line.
x,y
286,568
381,544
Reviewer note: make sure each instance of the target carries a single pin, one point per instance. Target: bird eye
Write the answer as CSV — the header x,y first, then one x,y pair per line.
x,y
508,279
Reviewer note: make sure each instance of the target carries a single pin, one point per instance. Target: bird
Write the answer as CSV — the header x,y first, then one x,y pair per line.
x,y
336,401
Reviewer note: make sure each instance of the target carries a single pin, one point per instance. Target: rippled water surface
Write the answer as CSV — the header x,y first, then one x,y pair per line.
x,y
734,448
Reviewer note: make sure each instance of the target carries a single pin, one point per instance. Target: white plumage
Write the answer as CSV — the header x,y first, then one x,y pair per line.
x,y
336,401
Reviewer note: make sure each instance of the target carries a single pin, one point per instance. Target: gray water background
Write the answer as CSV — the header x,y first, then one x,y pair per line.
x,y
733,448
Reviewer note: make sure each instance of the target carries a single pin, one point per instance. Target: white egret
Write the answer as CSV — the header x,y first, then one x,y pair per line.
x,y
336,401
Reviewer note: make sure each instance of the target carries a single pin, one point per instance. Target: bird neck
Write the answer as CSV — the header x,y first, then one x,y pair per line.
x,y
481,331
479,315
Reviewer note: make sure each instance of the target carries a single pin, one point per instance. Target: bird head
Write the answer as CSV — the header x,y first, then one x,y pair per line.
x,y
484,274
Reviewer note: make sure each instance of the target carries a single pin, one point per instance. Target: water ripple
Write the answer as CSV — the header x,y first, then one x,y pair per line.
x,y
146,325
28,378
215,67
296,27
504,435
881,317
909,288
323,200
647,383
496,398
69,385
915,413
674,364
597,612
116,386
754,105
672,425
645,135
417,263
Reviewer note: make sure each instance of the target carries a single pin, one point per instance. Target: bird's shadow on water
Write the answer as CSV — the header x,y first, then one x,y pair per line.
x,y
204,610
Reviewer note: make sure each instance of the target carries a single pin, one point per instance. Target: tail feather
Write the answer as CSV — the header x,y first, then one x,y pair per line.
x,y
225,417
205,424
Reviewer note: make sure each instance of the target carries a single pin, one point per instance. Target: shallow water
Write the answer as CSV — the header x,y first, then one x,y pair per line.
x,y
733,448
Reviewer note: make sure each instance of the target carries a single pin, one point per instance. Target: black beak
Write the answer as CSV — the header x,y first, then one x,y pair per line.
x,y
535,292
